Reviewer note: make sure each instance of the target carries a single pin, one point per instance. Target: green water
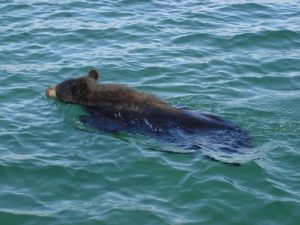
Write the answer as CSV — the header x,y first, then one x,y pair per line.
x,y
235,59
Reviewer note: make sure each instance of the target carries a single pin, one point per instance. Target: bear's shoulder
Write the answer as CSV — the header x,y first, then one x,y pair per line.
x,y
123,93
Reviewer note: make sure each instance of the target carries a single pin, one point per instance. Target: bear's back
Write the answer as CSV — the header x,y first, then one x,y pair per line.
x,y
125,98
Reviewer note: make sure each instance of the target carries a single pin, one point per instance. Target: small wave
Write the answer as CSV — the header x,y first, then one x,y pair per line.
x,y
16,7
246,7
61,15
134,2
275,39
278,83
196,38
232,158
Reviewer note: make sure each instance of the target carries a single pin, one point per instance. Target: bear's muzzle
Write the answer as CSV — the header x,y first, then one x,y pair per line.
x,y
51,92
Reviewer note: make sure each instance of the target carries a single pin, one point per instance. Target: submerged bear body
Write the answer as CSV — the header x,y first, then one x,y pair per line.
x,y
114,107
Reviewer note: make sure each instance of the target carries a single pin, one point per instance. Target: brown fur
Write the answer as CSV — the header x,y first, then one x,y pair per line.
x,y
124,98
110,99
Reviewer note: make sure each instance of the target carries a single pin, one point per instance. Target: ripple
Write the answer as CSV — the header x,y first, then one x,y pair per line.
x,y
190,38
279,83
248,7
238,60
266,39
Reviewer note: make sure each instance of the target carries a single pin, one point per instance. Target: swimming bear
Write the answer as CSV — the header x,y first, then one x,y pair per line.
x,y
115,107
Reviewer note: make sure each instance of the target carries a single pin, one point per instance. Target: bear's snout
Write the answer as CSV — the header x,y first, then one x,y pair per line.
x,y
51,92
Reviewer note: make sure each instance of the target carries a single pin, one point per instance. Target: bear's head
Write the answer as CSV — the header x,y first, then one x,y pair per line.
x,y
76,90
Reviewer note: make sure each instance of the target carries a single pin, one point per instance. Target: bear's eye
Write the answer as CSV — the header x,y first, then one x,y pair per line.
x,y
64,90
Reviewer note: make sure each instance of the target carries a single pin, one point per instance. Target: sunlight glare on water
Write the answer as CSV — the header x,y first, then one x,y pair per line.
x,y
235,59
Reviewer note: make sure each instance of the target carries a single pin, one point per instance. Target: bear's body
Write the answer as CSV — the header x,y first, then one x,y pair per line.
x,y
114,107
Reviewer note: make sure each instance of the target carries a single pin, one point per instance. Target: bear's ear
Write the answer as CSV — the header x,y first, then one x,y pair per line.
x,y
93,74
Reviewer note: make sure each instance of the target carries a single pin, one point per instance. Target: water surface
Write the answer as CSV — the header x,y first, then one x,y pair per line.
x,y
237,59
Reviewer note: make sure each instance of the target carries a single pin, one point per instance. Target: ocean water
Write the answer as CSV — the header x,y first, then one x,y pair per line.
x,y
239,60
